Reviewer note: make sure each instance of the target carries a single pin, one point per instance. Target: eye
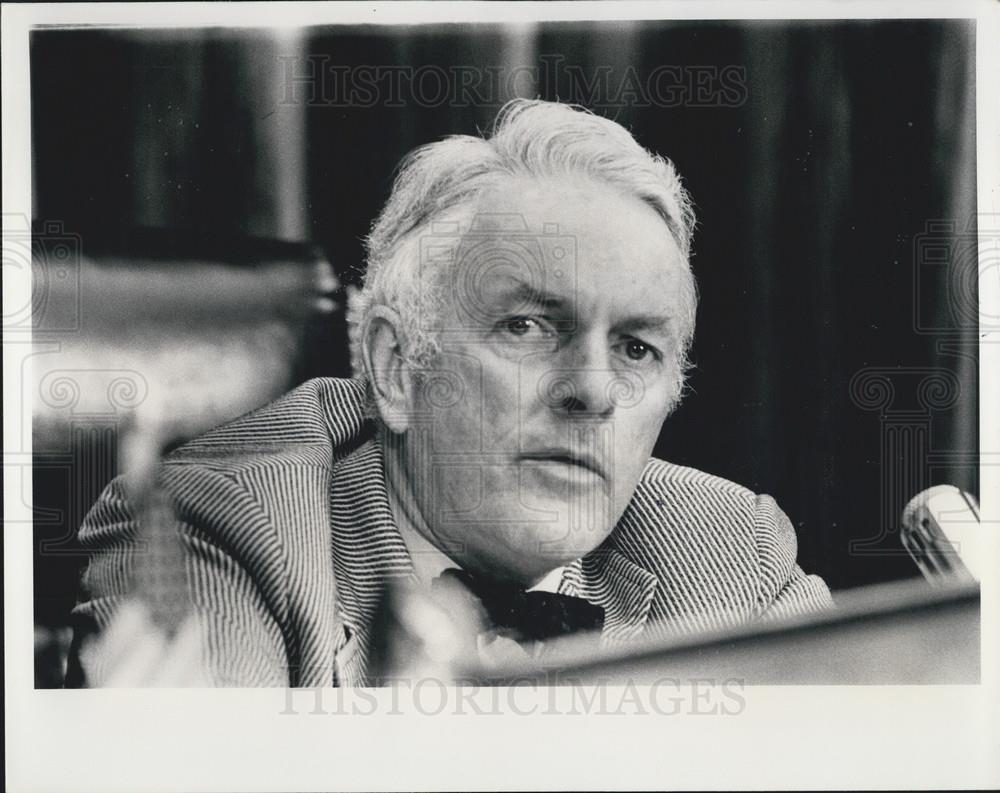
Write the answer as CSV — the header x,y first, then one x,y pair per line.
x,y
529,327
639,351
520,326
636,350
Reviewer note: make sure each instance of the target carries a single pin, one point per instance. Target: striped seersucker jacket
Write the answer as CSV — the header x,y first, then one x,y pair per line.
x,y
288,538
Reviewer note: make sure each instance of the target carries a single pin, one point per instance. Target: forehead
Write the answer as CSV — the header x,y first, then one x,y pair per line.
x,y
604,252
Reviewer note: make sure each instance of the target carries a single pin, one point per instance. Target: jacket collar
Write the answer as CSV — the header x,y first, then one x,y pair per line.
x,y
369,552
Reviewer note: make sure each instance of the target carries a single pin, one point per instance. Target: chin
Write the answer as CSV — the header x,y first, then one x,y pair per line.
x,y
532,550
579,527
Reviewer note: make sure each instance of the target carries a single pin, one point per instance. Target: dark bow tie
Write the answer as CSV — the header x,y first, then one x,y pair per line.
x,y
532,615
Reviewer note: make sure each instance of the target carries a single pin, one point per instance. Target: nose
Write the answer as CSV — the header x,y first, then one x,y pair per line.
x,y
584,387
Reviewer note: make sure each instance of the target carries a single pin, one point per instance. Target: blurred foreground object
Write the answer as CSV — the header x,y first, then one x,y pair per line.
x,y
51,649
419,636
158,333
155,638
198,328
902,633
134,652
941,530
447,633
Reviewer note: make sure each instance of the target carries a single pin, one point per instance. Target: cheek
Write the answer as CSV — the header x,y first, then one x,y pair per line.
x,y
637,429
473,399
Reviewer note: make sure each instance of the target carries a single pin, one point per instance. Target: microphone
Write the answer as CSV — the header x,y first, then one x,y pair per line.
x,y
941,531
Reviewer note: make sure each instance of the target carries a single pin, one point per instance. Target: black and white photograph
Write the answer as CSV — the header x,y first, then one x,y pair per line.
x,y
511,379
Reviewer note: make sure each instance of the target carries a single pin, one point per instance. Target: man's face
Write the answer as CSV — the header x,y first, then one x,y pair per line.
x,y
559,344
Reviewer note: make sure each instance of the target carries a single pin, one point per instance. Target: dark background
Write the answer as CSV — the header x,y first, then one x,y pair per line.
x,y
815,181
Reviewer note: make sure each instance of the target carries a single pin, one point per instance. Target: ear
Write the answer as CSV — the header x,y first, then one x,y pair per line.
x,y
382,353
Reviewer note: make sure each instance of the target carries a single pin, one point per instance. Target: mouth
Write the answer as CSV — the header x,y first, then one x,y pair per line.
x,y
568,458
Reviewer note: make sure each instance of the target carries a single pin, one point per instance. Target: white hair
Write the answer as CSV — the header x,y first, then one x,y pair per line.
x,y
442,180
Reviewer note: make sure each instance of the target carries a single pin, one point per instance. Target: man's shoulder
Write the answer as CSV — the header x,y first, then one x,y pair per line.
x,y
721,553
676,504
670,496
660,474
669,493
314,424
260,483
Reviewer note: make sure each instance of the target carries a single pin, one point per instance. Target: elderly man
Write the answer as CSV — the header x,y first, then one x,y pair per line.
x,y
521,336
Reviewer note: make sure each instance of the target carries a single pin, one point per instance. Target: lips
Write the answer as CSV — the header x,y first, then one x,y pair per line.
x,y
567,457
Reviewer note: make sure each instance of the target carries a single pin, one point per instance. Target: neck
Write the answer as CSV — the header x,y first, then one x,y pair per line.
x,y
402,489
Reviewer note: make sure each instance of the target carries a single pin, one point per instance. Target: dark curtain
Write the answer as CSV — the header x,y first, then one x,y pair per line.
x,y
832,164
822,185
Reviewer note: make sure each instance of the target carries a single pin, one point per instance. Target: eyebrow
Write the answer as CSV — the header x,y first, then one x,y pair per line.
x,y
653,322
525,294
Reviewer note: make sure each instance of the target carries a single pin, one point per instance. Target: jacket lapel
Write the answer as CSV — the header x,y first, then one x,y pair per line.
x,y
368,552
606,578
